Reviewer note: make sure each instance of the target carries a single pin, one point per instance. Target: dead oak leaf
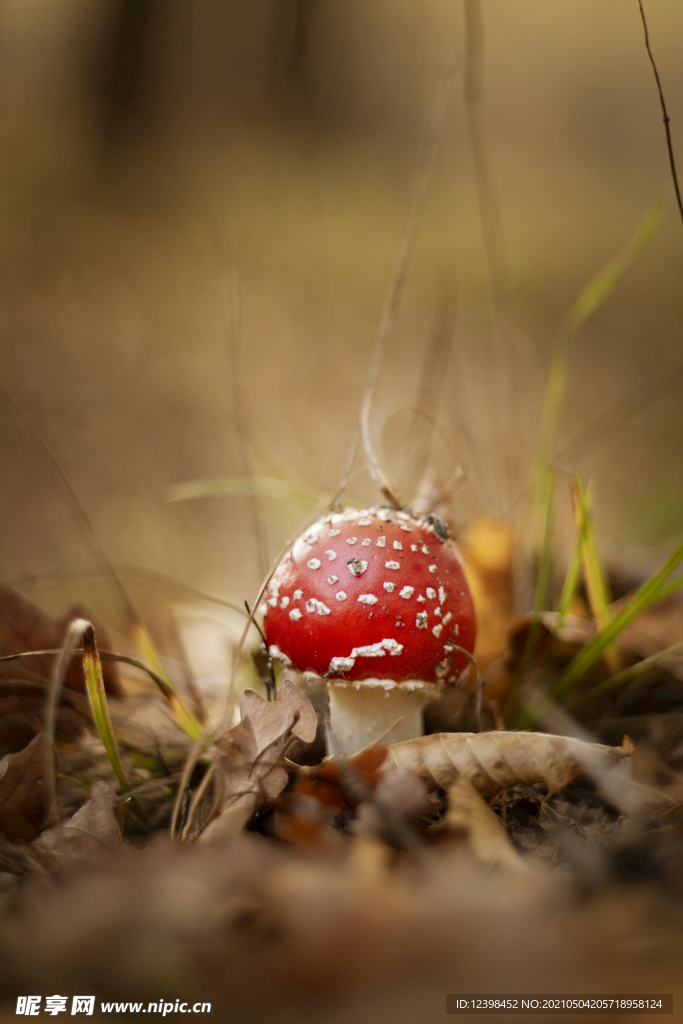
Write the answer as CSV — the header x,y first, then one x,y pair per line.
x,y
25,627
93,831
470,815
250,770
23,797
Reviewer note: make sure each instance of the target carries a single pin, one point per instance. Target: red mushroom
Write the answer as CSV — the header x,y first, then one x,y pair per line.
x,y
376,603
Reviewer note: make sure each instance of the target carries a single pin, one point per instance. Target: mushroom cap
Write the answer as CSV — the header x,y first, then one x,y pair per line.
x,y
375,594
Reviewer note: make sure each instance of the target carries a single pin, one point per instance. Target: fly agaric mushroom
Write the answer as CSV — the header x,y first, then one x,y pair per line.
x,y
375,603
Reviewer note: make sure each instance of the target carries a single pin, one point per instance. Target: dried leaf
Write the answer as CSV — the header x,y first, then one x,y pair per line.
x,y
22,705
398,801
341,783
493,761
488,548
468,812
25,627
250,769
291,715
94,830
24,682
23,797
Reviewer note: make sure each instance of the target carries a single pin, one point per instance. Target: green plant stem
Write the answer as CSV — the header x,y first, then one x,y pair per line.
x,y
626,675
644,597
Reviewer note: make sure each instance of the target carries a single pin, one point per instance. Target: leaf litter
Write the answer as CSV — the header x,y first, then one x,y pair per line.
x,y
348,889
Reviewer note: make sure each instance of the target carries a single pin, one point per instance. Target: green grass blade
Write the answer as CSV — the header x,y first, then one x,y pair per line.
x,y
593,573
592,296
606,280
149,651
541,601
573,575
92,669
670,588
643,598
596,584
545,566
626,675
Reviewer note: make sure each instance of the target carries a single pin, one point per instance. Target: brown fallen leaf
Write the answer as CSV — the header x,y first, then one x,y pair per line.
x,y
94,830
488,548
469,813
341,783
493,761
250,770
23,795
22,705
25,682
25,627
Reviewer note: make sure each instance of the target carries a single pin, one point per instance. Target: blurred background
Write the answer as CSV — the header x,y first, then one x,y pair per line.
x,y
201,210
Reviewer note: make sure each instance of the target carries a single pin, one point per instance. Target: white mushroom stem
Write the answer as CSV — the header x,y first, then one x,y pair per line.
x,y
362,713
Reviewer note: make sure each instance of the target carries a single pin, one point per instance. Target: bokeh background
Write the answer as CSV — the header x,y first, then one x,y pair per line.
x,y
201,208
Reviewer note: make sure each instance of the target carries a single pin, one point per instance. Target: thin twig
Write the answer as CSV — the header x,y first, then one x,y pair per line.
x,y
135,573
665,115
423,173
104,655
492,233
241,418
59,669
74,502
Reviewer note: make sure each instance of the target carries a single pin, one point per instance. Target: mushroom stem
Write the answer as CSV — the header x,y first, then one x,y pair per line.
x,y
364,712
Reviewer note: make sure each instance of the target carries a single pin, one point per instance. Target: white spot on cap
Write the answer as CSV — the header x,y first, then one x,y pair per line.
x,y
278,655
442,595
262,609
389,587
381,542
431,593
366,542
385,515
432,568
357,566
313,534
377,650
284,602
314,605
367,599
365,522
352,540
407,527
437,629
420,598
392,565
413,547
334,533
341,665
447,618
456,629
407,592
341,595
331,555
397,545
272,602
425,549
437,611
295,614
297,595
421,620
332,579
313,563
